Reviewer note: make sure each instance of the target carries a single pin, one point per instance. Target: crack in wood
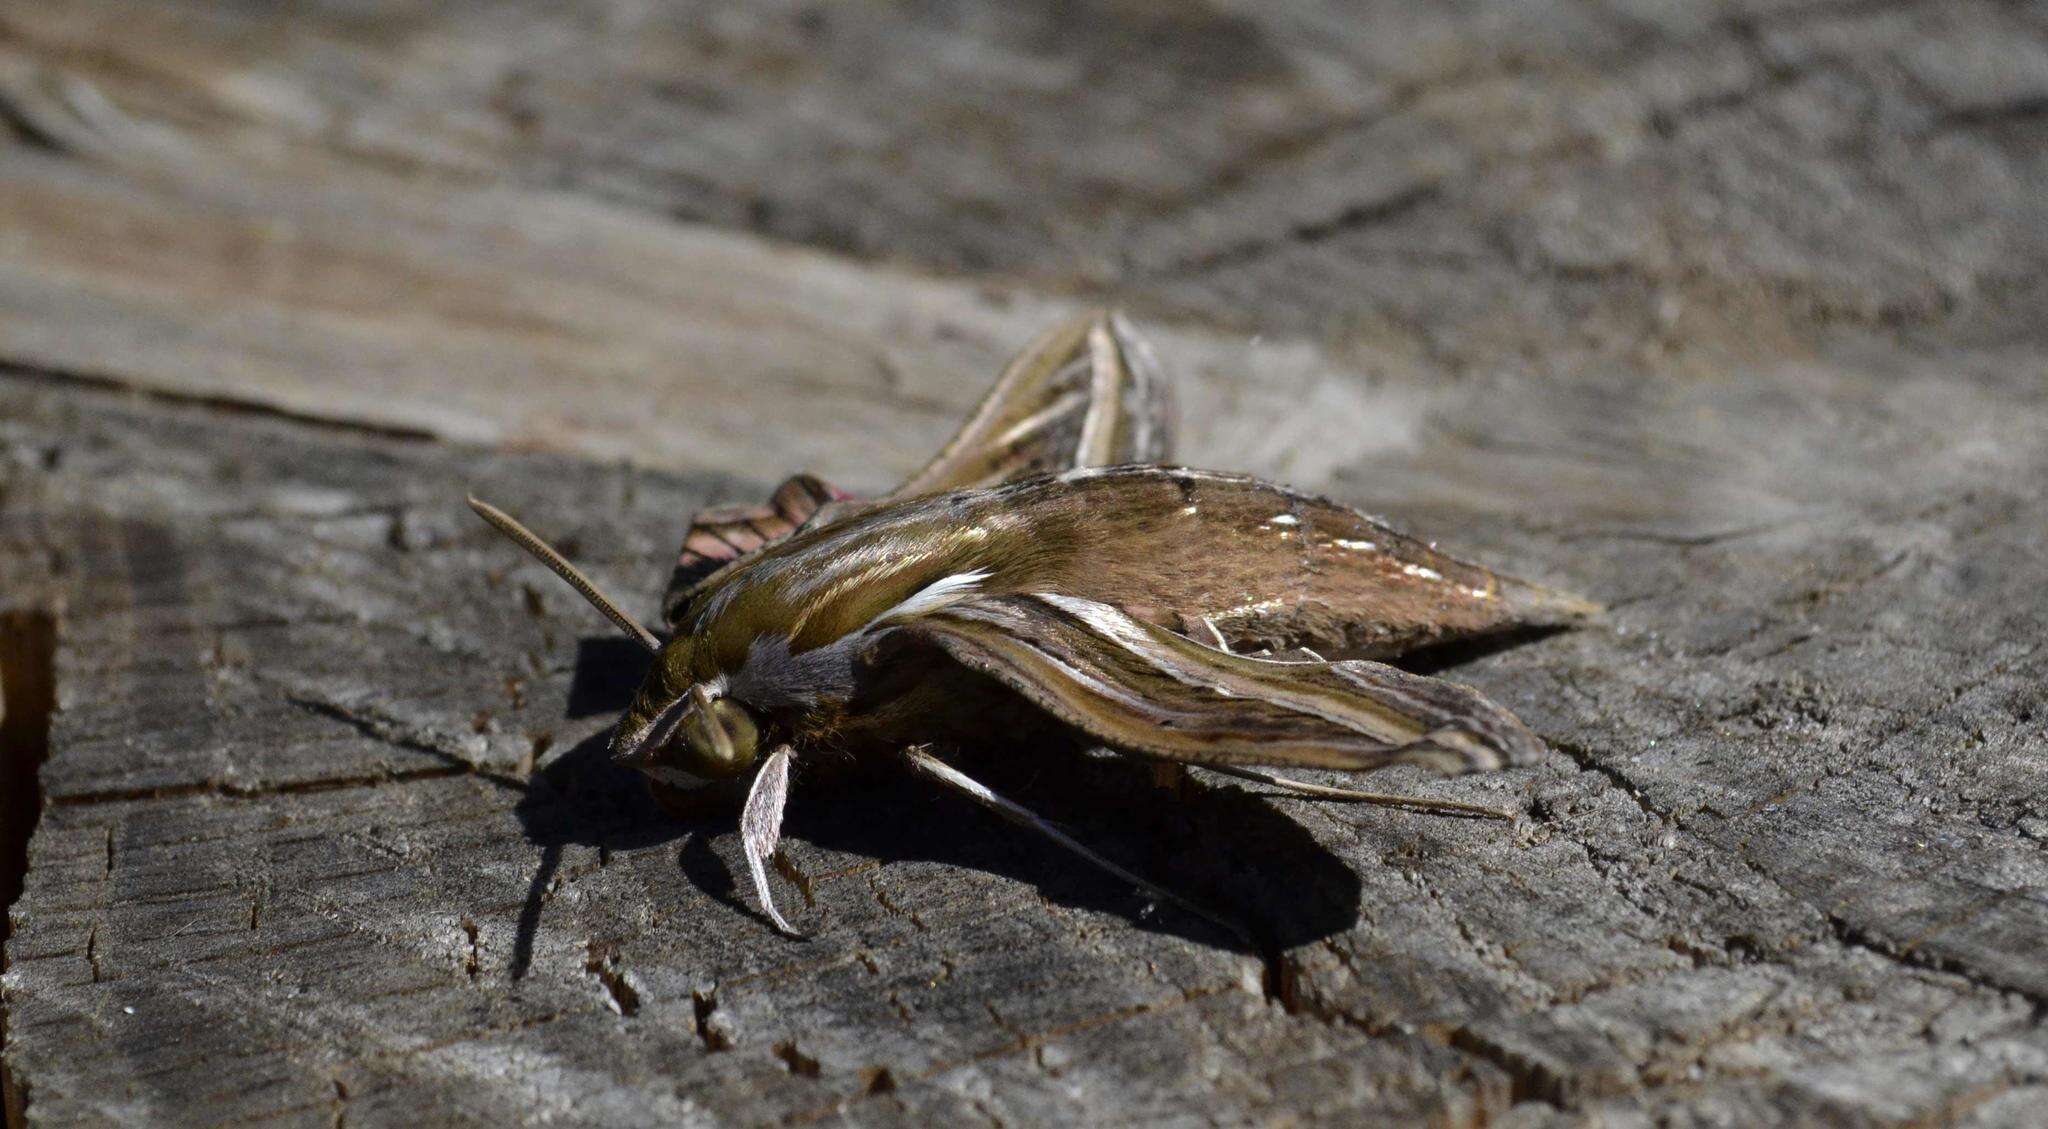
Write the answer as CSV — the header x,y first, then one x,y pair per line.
x,y
1019,1043
1351,217
227,789
889,905
92,954
1850,935
1589,761
391,732
28,698
1528,1080
795,1060
27,372
710,1030
602,963
23,124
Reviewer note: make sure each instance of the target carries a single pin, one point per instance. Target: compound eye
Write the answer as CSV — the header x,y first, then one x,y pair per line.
x,y
722,736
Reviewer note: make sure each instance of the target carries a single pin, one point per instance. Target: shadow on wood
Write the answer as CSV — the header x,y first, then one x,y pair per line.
x,y
1220,846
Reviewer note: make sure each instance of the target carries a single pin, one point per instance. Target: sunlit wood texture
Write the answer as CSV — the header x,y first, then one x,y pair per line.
x,y
1726,316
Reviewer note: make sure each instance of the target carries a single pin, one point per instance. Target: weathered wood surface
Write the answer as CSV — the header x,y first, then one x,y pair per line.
x,y
1727,315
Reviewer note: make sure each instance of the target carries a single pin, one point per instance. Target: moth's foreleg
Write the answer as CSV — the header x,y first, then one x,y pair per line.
x,y
1352,795
761,828
932,768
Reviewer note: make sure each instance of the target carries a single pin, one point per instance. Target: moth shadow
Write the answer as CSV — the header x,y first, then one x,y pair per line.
x,y
608,670
580,798
1229,849
1221,847
1440,657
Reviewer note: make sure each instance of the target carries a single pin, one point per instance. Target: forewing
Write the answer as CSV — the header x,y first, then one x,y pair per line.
x,y
1267,567
1088,392
1139,688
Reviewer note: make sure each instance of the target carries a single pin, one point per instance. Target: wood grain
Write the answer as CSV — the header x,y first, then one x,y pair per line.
x,y
1724,315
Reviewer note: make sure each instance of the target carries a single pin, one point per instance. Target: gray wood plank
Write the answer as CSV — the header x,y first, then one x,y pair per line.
x,y
287,895
1726,315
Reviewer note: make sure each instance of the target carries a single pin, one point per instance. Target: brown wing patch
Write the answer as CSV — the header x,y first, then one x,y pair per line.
x,y
1267,567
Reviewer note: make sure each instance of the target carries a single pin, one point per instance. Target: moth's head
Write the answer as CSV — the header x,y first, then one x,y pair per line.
x,y
684,732
681,729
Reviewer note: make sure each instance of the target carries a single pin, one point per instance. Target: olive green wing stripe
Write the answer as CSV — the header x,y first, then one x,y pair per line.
x,y
1141,689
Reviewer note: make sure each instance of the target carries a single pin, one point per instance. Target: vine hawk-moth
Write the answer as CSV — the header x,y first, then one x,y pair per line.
x,y
1050,580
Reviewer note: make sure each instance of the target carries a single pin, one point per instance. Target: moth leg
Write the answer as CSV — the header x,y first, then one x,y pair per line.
x,y
1413,803
1222,644
761,828
1169,777
931,767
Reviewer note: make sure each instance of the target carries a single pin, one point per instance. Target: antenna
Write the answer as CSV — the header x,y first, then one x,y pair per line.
x,y
525,539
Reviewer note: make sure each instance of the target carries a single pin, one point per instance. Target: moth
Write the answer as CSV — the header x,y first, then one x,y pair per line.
x,y
1050,582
